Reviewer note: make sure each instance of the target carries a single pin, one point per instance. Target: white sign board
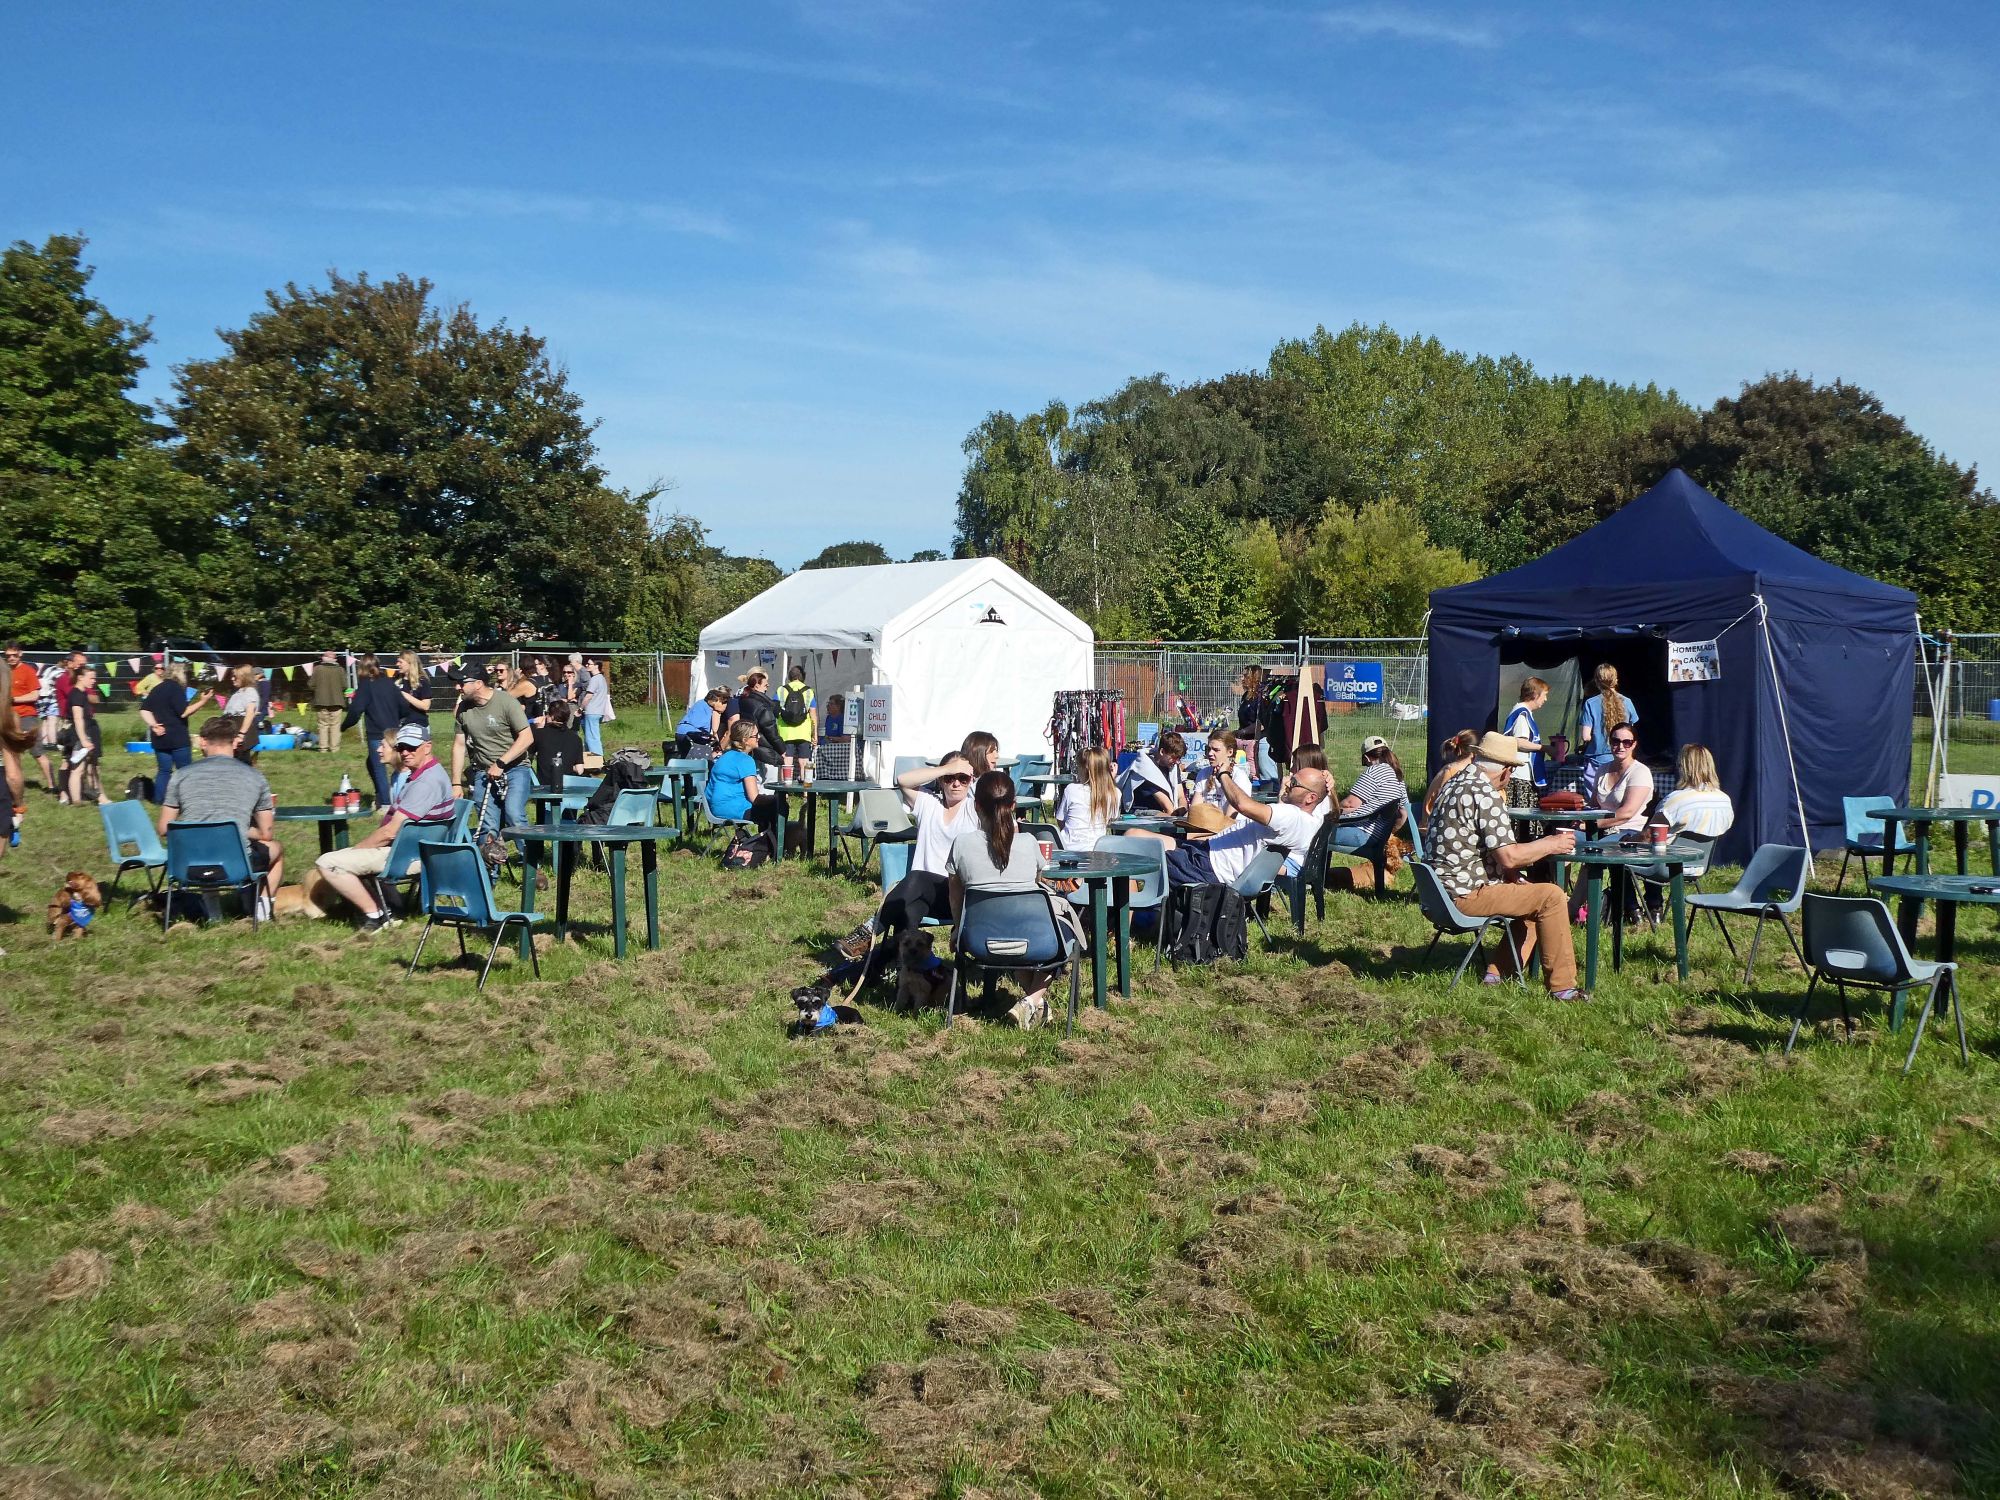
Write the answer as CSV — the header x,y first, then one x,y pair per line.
x,y
1982,792
1693,661
878,716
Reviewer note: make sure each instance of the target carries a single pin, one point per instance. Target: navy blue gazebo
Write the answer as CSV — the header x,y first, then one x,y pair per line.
x,y
1817,664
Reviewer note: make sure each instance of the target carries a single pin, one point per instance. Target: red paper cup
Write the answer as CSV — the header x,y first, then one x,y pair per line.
x,y
1048,849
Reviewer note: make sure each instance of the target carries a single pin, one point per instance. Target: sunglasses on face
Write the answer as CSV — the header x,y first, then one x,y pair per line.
x,y
953,780
1626,739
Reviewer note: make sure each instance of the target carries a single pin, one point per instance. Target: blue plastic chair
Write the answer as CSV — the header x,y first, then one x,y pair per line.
x,y
690,772
204,858
131,844
1148,893
1851,940
1435,902
458,892
895,865
461,820
396,874
1865,834
1772,884
1002,932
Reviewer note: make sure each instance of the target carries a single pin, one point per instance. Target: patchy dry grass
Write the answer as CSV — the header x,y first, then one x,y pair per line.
x,y
281,1222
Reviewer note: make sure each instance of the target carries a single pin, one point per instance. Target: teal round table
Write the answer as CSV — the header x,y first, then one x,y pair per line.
x,y
1104,877
566,839
1621,859
332,825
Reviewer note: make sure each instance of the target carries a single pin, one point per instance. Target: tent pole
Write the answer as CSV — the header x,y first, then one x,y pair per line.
x,y
1785,726
1941,713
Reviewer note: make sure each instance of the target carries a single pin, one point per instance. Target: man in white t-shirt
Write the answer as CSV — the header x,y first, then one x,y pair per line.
x,y
1290,823
940,812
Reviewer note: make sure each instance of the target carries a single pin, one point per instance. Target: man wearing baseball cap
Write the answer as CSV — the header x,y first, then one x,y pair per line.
x,y
1479,863
423,795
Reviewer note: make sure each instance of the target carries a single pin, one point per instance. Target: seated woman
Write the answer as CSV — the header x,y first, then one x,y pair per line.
x,y
733,788
1155,778
700,728
1088,803
558,748
979,751
1698,805
1624,787
1221,762
834,725
1375,800
989,855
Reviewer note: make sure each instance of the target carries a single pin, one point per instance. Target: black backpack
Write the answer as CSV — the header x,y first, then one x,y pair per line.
x,y
794,711
1206,923
624,772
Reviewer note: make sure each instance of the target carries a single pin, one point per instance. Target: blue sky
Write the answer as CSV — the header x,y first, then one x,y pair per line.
x,y
792,253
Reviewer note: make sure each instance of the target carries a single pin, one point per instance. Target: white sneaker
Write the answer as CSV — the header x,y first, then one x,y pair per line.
x,y
1030,1013
263,908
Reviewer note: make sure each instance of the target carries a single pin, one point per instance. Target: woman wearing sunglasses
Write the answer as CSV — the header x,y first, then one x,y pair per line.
x,y
1625,787
939,798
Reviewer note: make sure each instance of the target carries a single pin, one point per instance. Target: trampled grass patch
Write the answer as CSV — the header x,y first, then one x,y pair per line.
x,y
281,1221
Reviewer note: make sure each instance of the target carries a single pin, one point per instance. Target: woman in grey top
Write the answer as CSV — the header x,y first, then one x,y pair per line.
x,y
990,855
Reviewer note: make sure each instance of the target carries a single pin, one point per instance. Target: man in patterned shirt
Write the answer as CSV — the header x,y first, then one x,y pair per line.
x,y
1479,863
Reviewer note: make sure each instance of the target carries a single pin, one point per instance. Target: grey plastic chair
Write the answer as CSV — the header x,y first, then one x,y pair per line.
x,y
879,818
1772,885
1852,940
1444,916
1149,891
1256,883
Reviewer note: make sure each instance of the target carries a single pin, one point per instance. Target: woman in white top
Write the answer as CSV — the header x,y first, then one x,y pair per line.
x,y
940,813
1221,762
1698,805
1156,780
1088,803
244,703
1625,787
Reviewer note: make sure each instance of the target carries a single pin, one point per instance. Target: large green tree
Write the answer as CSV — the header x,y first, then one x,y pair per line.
x,y
394,470
107,543
848,555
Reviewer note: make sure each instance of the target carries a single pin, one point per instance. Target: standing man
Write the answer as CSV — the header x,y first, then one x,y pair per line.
x,y
493,734
219,788
596,707
329,695
1478,862
798,721
24,688
423,795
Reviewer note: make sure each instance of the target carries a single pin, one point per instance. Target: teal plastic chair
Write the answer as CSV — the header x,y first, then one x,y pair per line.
x,y
1446,920
458,893
634,808
1011,932
1148,893
1772,885
204,858
1865,834
131,844
1851,940
1311,877
690,772
1376,850
461,820
396,874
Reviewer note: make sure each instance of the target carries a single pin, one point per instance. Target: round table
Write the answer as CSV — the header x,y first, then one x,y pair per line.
x,y
1144,823
817,791
1104,876
568,838
332,825
1920,820
1621,860
1949,892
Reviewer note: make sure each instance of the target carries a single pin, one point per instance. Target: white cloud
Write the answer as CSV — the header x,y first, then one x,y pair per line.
x,y
1403,25
509,203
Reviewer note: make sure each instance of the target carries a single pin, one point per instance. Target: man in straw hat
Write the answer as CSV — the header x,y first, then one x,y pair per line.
x,y
1479,863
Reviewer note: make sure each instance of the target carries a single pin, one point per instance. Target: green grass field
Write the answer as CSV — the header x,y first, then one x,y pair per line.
x,y
278,1221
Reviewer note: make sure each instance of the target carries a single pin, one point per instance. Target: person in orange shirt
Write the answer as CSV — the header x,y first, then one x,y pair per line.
x,y
24,687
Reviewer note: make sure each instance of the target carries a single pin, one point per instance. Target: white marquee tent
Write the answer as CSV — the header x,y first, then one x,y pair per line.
x,y
964,645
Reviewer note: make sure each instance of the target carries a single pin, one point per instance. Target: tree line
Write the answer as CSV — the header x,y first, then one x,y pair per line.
x,y
360,464
1329,493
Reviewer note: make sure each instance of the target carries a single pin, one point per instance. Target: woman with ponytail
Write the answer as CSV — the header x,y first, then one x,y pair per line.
x,y
1607,707
992,855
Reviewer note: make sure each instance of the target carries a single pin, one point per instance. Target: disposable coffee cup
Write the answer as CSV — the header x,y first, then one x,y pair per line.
x,y
1662,835
1048,849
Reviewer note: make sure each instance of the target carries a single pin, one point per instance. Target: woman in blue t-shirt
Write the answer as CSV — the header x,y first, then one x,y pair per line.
x,y
733,788
1607,707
